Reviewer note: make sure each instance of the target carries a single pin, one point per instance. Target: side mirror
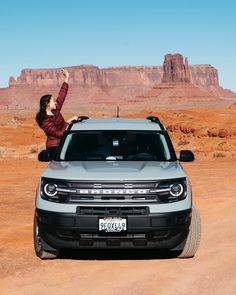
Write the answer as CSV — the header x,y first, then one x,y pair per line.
x,y
186,156
44,156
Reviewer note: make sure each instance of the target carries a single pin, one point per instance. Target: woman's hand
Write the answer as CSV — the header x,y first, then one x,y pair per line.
x,y
65,74
71,119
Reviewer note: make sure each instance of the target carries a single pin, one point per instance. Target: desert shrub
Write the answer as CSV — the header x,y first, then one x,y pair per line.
x,y
183,141
219,155
187,129
18,118
215,132
33,149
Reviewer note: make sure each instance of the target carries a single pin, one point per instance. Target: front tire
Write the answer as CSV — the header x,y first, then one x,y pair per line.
x,y
38,245
194,236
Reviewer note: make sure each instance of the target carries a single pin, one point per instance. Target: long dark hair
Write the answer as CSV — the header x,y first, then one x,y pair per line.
x,y
41,115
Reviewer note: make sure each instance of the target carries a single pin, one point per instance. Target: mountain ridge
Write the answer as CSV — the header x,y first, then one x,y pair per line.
x,y
120,85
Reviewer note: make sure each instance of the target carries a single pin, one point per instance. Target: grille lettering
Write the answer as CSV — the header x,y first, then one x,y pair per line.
x,y
113,191
95,192
83,191
118,191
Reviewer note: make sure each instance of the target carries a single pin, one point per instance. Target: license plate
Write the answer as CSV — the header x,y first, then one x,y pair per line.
x,y
112,224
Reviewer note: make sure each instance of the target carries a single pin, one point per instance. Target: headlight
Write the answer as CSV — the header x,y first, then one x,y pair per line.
x,y
176,189
171,190
50,189
55,190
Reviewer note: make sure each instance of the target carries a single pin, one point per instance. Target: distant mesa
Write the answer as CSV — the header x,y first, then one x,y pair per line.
x,y
175,69
175,84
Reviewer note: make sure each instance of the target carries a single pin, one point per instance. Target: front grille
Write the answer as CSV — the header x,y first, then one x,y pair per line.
x,y
112,185
112,198
115,211
119,192
112,192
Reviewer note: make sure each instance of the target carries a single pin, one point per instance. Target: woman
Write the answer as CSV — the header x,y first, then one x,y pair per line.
x,y
50,119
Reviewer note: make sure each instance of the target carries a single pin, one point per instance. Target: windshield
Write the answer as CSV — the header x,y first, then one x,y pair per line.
x,y
115,145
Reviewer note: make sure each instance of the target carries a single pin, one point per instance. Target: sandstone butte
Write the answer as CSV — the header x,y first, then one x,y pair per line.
x,y
176,84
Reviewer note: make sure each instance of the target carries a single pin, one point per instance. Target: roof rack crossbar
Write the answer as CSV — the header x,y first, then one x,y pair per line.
x,y
153,119
156,120
82,118
78,120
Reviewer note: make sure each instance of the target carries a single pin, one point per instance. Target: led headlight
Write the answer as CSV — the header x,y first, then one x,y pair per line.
x,y
50,189
171,190
176,189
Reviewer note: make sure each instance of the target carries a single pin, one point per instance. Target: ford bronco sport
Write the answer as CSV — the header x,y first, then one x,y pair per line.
x,y
115,183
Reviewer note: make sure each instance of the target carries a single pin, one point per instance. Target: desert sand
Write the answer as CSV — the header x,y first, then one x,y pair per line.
x,y
209,133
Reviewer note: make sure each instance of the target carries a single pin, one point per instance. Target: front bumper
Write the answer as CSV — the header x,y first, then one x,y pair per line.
x,y
72,230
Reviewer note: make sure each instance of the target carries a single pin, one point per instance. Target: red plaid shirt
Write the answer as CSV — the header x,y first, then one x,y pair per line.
x,y
54,126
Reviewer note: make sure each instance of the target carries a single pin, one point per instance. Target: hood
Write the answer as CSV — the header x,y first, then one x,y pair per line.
x,y
114,170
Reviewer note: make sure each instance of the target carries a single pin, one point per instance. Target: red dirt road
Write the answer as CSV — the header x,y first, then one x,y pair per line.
x,y
212,271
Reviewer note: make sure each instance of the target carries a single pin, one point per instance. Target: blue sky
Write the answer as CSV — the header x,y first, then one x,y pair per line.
x,y
55,33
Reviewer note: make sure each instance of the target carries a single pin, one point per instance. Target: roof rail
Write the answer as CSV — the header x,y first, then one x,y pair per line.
x,y
156,120
78,120
82,118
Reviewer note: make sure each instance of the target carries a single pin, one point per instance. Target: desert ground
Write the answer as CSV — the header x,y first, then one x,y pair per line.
x,y
211,134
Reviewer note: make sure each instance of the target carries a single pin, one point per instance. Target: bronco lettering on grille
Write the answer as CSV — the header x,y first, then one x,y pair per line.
x,y
113,191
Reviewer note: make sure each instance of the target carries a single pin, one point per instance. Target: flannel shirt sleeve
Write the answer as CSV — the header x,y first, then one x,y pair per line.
x,y
61,96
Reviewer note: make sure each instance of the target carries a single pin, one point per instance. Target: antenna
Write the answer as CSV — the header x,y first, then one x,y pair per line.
x,y
117,112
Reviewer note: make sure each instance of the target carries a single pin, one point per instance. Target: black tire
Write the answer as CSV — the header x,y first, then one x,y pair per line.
x,y
194,236
38,246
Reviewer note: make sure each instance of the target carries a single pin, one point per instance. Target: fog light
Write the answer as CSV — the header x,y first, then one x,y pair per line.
x,y
50,189
176,189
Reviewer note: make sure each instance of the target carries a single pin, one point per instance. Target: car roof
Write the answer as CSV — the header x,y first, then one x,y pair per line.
x,y
116,124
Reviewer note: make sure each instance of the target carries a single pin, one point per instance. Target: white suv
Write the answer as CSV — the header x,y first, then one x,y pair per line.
x,y
115,183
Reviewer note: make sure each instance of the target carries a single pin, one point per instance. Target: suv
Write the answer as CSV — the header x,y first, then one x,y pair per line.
x,y
115,183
